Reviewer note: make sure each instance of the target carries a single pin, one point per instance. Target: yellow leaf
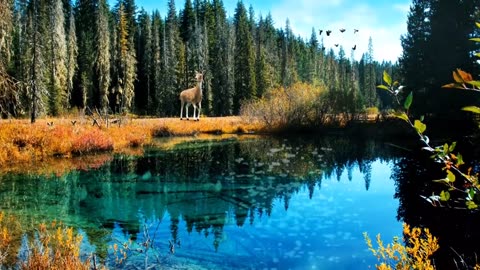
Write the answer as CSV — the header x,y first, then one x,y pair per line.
x,y
453,85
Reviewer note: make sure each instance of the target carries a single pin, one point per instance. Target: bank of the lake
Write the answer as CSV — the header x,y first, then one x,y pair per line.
x,y
52,139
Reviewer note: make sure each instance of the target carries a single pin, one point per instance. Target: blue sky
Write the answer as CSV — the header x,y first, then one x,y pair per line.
x,y
384,21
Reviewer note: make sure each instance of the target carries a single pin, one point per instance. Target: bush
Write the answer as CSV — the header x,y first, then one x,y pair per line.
x,y
295,107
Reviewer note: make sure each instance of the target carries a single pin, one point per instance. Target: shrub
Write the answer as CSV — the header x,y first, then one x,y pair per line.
x,y
371,110
420,245
52,246
92,140
297,106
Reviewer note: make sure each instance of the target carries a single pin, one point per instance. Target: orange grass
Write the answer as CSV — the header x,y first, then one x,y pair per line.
x,y
23,143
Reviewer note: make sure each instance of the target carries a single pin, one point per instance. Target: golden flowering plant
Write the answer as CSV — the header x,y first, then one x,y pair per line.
x,y
415,254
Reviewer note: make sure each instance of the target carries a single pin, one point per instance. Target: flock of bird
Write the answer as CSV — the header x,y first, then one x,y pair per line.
x,y
328,32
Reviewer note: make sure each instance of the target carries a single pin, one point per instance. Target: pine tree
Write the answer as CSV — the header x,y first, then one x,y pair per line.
x,y
9,96
414,62
312,57
272,52
84,85
189,34
261,72
172,73
126,65
71,61
221,63
156,64
103,55
245,85
35,61
370,78
453,21
144,54
57,53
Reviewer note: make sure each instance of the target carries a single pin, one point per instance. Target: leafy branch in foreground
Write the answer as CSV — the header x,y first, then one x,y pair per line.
x,y
470,186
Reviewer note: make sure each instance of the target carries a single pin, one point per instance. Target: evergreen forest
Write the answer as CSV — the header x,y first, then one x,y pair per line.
x,y
59,56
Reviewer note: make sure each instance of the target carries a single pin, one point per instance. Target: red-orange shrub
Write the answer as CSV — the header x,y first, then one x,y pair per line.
x,y
92,140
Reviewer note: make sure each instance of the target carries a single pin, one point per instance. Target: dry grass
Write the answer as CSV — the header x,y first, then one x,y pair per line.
x,y
24,143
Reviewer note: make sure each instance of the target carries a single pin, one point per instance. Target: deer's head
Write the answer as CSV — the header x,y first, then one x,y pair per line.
x,y
199,76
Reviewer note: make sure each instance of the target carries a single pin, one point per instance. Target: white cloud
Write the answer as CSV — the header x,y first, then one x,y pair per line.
x,y
385,26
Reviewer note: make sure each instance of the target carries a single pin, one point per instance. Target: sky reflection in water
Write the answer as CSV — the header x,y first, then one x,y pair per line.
x,y
254,204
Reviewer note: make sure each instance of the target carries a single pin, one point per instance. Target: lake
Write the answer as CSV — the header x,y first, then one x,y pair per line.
x,y
245,202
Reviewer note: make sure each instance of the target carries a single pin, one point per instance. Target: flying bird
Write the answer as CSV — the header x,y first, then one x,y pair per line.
x,y
323,48
336,45
328,32
321,32
355,31
354,47
342,30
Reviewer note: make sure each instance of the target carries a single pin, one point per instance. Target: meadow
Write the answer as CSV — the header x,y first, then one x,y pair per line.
x,y
72,139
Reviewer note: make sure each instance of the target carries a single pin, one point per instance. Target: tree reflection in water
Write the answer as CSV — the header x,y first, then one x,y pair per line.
x,y
457,229
207,184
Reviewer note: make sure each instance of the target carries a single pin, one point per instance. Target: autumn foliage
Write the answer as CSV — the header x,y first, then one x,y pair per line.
x,y
419,246
294,107
25,143
50,246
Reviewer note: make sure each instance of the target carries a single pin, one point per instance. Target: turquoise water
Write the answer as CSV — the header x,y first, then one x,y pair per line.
x,y
261,203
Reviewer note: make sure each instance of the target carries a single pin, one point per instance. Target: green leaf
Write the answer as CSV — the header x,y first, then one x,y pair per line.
x,y
475,39
408,101
473,109
471,205
444,196
471,193
459,160
452,147
419,126
474,83
477,54
443,181
386,78
445,148
450,176
383,87
402,116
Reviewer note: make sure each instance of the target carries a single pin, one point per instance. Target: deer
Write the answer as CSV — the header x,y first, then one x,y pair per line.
x,y
192,96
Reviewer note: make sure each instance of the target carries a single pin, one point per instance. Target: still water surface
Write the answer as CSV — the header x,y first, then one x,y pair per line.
x,y
242,203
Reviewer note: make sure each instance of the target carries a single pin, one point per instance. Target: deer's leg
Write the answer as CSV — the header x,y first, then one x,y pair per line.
x,y
199,109
194,109
181,110
186,107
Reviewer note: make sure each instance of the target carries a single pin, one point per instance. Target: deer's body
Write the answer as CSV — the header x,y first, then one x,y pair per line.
x,y
192,96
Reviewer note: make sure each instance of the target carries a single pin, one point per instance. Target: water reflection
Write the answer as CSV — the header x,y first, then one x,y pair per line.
x,y
211,189
456,229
